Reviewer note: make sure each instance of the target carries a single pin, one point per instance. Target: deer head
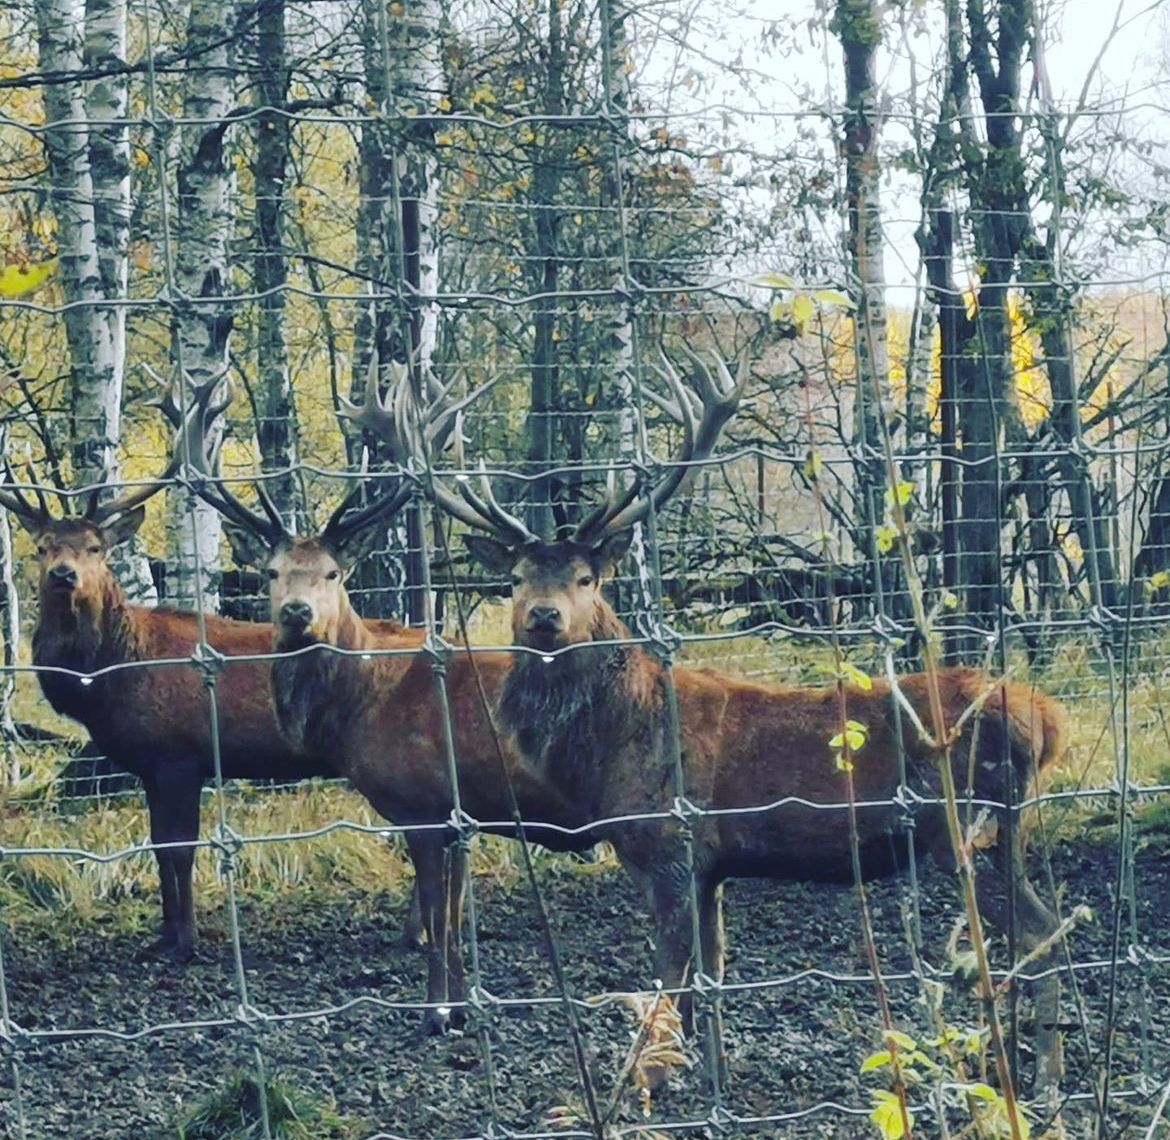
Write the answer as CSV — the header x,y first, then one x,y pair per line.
x,y
72,546
306,574
556,591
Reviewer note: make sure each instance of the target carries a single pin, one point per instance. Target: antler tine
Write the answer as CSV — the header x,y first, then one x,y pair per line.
x,y
12,499
491,516
718,402
345,522
411,435
206,458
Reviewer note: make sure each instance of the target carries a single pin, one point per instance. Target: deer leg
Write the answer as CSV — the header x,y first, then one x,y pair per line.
x,y
1035,928
172,800
456,887
433,881
670,902
413,935
714,942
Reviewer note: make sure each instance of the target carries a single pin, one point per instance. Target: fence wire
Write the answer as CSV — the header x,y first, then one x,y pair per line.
x,y
762,570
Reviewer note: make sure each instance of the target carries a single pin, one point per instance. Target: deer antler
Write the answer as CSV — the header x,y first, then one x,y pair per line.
x,y
95,511
414,434
13,499
702,411
192,444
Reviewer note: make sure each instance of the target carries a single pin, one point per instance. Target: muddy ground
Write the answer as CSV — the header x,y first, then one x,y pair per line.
x,y
792,1047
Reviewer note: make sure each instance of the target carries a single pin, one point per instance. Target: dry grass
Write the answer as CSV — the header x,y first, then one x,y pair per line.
x,y
55,891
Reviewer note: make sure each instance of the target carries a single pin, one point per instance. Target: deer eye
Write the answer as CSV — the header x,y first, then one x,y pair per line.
x,y
95,549
517,580
585,580
333,575
273,574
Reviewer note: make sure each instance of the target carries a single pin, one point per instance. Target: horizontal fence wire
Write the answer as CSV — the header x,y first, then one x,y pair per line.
x,y
767,568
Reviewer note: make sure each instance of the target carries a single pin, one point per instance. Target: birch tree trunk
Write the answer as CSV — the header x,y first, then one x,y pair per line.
x,y
87,147
276,428
107,101
10,634
397,239
203,310
858,26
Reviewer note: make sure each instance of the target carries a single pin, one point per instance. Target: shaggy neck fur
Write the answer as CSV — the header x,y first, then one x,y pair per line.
x,y
306,688
85,634
574,714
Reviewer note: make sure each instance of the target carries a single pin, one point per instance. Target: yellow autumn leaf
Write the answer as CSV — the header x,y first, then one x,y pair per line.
x,y
771,281
1158,581
20,280
887,1115
780,311
803,308
885,536
832,297
900,493
851,675
445,103
813,465
854,736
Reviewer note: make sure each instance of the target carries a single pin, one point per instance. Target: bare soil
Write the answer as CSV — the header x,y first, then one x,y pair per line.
x,y
794,1046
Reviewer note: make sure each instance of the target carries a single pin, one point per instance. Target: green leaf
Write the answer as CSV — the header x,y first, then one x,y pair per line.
x,y
843,764
876,1061
887,1115
813,465
981,1091
885,536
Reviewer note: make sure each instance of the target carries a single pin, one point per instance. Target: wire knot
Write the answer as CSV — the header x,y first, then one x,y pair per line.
x,y
465,827
209,662
908,802
438,652
230,846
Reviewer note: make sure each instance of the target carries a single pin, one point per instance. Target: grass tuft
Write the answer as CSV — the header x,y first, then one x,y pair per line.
x,y
236,1112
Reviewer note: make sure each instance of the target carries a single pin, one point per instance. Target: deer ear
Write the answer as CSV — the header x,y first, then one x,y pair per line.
x,y
123,527
490,553
610,551
248,549
365,541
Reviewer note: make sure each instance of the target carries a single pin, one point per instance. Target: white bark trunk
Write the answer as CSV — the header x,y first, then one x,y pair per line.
x,y
107,102
203,229
10,632
397,226
88,152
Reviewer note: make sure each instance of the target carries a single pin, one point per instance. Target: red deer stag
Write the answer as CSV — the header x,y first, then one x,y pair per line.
x,y
151,720
590,711
381,714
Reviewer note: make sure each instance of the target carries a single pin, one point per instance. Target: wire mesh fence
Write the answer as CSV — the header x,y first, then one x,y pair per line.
x,y
945,300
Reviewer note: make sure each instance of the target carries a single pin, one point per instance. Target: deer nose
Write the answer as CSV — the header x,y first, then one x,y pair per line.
x,y
63,575
543,617
296,613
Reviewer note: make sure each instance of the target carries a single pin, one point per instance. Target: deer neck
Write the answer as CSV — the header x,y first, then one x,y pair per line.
x,y
85,634
575,714
317,692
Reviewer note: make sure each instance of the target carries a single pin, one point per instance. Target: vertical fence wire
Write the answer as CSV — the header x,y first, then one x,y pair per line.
x,y
1129,954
